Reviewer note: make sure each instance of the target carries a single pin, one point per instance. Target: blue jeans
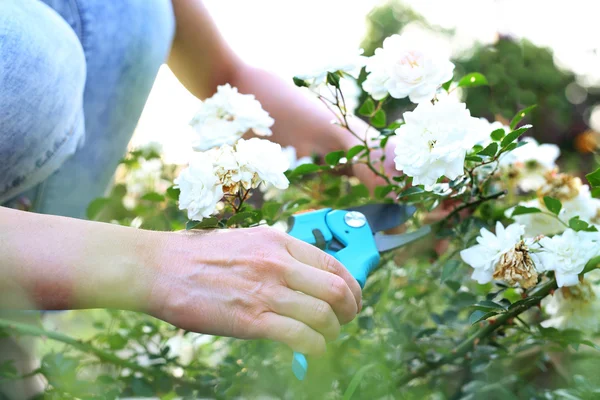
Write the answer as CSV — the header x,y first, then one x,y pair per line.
x,y
74,78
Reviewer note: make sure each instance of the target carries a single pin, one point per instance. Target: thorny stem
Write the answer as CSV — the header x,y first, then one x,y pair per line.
x,y
489,327
473,203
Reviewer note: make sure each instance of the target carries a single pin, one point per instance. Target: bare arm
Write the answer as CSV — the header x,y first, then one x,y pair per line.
x,y
248,283
202,60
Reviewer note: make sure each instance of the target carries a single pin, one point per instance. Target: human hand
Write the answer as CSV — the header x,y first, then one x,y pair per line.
x,y
254,283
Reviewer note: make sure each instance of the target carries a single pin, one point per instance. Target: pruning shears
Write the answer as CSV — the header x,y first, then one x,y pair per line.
x,y
355,238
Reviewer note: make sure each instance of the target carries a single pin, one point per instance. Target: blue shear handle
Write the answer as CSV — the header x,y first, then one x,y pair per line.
x,y
359,256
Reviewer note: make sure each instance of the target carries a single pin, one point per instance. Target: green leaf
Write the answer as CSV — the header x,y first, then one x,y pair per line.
x,y
333,79
141,388
553,205
243,218
490,150
594,178
446,86
596,193
334,157
521,210
479,315
270,209
449,269
520,115
487,305
153,197
498,134
300,82
206,223
356,380
473,80
382,191
96,207
514,135
304,169
473,158
578,225
411,191
394,125
173,193
354,151
367,108
379,119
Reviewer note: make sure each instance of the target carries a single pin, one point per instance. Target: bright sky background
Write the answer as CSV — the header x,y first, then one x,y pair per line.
x,y
289,37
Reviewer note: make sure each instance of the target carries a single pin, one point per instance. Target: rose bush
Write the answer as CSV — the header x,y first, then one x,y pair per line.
x,y
505,311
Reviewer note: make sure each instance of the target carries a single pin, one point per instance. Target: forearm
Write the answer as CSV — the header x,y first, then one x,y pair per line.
x,y
202,60
50,262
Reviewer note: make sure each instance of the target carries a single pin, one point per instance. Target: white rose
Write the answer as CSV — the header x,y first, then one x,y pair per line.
x,y
265,159
405,68
350,64
434,141
485,255
567,254
574,307
226,116
200,189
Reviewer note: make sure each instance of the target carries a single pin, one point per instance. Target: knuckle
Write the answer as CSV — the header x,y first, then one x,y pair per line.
x,y
322,313
337,289
330,264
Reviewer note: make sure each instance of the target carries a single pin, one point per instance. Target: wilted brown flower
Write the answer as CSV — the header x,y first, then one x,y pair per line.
x,y
561,186
516,266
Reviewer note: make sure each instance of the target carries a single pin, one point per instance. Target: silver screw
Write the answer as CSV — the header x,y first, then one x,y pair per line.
x,y
355,219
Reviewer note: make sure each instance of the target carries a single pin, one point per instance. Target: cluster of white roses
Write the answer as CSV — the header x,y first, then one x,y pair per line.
x,y
225,164
510,256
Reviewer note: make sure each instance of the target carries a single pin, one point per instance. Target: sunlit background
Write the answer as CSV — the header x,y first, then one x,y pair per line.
x,y
290,37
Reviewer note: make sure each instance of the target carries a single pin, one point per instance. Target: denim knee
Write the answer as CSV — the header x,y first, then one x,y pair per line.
x,y
42,80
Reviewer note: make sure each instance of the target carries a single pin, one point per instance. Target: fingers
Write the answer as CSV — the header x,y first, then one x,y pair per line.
x,y
312,256
299,336
324,286
315,313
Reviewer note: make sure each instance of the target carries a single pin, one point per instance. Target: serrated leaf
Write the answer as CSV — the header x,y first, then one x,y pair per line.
x,y
304,169
411,191
490,150
594,178
334,157
487,305
479,315
242,218
473,79
300,82
382,191
449,269
367,108
522,210
553,205
354,151
520,115
498,134
473,158
379,119
578,225
206,223
514,135
173,193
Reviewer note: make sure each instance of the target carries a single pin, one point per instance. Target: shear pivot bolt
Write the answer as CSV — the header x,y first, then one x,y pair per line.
x,y
355,219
